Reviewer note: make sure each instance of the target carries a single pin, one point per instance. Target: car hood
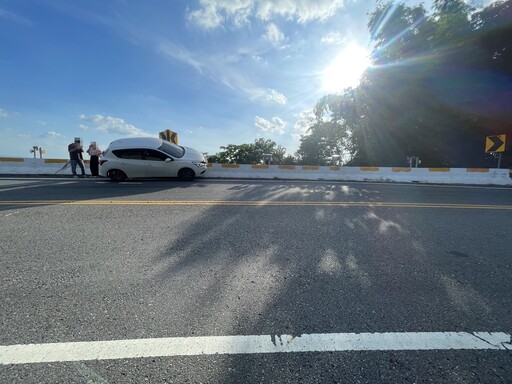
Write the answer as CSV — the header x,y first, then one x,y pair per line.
x,y
192,154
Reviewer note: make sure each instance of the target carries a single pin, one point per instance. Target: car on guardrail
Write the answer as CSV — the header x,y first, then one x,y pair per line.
x,y
147,157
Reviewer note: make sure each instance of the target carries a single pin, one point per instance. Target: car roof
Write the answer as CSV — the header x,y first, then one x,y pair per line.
x,y
136,142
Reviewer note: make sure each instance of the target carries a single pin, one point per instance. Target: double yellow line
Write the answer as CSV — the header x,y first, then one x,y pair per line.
x,y
263,203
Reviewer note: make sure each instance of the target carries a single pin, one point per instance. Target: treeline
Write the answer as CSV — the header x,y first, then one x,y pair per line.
x,y
252,153
441,81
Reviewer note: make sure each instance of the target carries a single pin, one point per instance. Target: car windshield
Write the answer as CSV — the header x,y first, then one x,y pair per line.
x,y
172,149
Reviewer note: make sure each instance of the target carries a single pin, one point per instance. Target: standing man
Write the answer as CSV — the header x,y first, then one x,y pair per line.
x,y
75,156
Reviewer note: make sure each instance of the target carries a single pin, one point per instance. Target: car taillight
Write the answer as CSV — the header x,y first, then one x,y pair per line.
x,y
103,162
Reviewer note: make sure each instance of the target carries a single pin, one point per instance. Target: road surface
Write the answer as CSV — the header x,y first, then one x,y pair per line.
x,y
333,282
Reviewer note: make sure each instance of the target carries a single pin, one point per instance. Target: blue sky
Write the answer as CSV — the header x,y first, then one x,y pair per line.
x,y
216,71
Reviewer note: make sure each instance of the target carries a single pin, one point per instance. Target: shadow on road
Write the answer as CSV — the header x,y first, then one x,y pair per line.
x,y
69,189
295,270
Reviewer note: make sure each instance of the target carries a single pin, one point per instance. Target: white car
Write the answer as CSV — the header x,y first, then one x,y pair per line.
x,y
142,157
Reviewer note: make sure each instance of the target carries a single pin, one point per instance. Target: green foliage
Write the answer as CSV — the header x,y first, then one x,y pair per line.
x,y
289,160
398,31
249,153
339,119
440,84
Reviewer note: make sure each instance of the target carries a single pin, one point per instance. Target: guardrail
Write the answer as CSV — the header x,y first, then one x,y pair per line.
x,y
478,176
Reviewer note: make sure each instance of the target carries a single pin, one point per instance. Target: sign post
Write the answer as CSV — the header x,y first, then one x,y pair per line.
x,y
496,145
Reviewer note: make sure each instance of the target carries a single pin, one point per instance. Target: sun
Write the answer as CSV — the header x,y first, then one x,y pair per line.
x,y
346,69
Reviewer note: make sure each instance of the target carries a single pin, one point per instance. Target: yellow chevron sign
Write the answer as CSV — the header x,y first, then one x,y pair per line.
x,y
169,135
495,143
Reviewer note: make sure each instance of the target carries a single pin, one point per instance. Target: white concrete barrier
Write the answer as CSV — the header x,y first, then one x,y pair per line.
x,y
474,176
21,166
480,176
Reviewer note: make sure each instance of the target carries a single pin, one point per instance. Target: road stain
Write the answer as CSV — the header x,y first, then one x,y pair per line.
x,y
458,254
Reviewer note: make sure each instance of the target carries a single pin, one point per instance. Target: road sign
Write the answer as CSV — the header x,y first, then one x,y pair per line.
x,y
495,143
169,135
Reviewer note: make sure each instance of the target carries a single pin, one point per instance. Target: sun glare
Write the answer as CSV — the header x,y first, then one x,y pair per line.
x,y
346,69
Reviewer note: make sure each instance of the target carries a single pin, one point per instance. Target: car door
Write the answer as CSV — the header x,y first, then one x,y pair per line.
x,y
160,164
130,161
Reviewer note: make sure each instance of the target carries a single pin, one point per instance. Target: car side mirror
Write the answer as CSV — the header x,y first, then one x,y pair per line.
x,y
168,160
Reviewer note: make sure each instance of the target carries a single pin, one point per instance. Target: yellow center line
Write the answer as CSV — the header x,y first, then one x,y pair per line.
x,y
255,203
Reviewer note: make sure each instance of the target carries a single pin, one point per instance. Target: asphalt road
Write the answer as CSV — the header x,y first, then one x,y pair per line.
x,y
91,260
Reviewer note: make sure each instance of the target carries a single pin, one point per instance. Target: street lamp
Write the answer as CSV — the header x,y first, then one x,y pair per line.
x,y
35,149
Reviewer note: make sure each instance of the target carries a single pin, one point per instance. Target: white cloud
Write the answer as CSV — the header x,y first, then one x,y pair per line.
x,y
275,125
214,13
223,69
83,128
334,38
179,53
275,96
269,95
304,121
23,136
52,134
14,17
3,113
41,122
302,10
259,59
206,17
273,34
113,125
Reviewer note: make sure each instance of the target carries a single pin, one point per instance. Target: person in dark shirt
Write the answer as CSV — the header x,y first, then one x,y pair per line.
x,y
76,156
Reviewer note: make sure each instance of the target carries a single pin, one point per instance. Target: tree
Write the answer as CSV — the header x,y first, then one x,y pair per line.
x,y
398,31
493,26
249,153
289,160
441,83
267,146
325,137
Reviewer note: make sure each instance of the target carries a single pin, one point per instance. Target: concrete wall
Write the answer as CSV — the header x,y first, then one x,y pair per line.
x,y
21,166
482,176
478,176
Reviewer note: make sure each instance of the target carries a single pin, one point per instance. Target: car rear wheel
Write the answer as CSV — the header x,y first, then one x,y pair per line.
x,y
117,175
186,174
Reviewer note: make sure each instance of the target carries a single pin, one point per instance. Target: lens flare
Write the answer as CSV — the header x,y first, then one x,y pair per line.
x,y
346,69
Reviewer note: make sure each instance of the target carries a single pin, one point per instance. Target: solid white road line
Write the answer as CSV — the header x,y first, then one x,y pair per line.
x,y
210,345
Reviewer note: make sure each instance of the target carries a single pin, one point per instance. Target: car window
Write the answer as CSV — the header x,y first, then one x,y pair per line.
x,y
152,155
131,153
172,149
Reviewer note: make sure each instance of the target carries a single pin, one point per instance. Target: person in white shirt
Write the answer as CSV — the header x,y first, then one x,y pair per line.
x,y
95,154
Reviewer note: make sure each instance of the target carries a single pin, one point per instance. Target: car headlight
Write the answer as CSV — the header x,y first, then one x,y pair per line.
x,y
200,165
